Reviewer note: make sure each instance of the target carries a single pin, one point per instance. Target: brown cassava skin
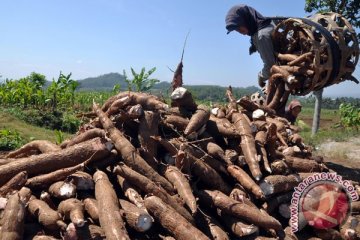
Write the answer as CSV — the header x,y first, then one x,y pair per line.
x,y
172,221
44,180
57,190
281,183
287,57
130,192
221,127
177,78
198,119
150,159
180,111
178,122
109,210
147,101
12,227
247,144
246,181
48,162
181,183
90,232
211,227
198,153
73,209
87,135
249,105
217,152
148,126
4,161
128,151
237,226
46,216
34,147
91,207
271,87
25,194
271,141
46,197
16,183
150,187
296,139
166,238
260,141
133,215
44,237
266,238
206,173
304,165
355,207
279,167
112,99
289,234
276,89
118,104
328,233
216,231
82,180
238,209
238,191
241,196
186,101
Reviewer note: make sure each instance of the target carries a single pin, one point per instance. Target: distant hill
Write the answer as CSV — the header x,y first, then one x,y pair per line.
x,y
106,82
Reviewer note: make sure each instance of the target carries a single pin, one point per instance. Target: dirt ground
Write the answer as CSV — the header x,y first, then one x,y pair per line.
x,y
343,157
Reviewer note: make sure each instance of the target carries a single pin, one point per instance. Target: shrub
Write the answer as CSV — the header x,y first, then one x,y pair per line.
x,y
349,115
10,140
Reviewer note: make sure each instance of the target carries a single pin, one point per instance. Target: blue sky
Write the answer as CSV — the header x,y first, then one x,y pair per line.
x,y
94,37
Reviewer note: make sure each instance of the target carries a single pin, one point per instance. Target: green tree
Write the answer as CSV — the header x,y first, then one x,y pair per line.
x,y
62,91
141,81
349,9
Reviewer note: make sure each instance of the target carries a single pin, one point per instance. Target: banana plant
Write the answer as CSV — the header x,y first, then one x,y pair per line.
x,y
142,80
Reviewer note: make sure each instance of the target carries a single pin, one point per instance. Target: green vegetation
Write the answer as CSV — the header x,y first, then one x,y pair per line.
x,y
10,139
330,127
329,103
141,81
26,131
350,116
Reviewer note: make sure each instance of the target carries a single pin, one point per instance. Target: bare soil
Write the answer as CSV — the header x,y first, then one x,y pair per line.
x,y
343,157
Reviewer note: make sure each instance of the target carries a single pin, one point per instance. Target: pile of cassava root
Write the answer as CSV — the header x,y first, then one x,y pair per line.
x,y
141,169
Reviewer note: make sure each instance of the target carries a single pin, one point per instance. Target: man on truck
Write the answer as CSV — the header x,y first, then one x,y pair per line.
x,y
247,21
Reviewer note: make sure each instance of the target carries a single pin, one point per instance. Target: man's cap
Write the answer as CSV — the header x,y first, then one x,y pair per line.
x,y
231,28
234,18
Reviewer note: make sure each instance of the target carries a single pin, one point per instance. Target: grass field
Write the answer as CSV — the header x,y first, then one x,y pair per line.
x,y
26,131
329,127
